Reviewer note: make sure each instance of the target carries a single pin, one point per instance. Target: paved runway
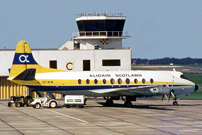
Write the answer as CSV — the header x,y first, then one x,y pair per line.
x,y
148,117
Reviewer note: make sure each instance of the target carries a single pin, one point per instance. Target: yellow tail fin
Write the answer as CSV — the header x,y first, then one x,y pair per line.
x,y
23,59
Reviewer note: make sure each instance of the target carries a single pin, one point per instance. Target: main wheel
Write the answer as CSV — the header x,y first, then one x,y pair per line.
x,y
9,104
37,106
53,104
28,100
128,104
80,106
17,104
109,103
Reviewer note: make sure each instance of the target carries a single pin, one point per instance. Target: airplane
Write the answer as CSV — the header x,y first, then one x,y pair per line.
x,y
112,85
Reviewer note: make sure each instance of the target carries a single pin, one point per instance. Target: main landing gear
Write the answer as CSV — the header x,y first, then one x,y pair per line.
x,y
128,100
109,102
127,103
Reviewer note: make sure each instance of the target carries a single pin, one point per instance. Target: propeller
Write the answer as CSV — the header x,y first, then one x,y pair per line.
x,y
170,93
163,97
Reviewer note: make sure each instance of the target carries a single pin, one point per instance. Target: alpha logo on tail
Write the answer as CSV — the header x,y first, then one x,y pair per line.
x,y
24,58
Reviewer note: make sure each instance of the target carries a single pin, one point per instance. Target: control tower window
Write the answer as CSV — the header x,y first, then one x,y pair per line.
x,y
94,25
101,25
111,62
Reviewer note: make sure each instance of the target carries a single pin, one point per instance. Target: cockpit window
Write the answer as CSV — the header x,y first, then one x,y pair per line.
x,y
182,76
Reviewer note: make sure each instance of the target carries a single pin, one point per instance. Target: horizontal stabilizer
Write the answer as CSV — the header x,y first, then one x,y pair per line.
x,y
28,74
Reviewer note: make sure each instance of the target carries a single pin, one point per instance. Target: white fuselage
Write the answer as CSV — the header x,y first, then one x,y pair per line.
x,y
106,83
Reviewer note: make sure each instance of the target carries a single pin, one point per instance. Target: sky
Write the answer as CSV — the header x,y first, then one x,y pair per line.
x,y
158,28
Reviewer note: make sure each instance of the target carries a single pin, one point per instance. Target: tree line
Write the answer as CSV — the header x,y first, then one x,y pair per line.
x,y
167,61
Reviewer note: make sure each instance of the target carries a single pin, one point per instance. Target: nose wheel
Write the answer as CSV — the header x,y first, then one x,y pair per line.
x,y
175,103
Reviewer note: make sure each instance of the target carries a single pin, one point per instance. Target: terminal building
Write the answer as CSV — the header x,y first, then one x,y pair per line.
x,y
97,46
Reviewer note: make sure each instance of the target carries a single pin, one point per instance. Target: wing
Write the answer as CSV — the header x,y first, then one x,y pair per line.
x,y
149,90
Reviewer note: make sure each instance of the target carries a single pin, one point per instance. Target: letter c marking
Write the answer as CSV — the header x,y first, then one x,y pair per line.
x,y
67,66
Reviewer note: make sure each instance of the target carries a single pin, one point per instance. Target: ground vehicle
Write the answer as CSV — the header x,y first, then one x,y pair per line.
x,y
18,100
74,100
44,102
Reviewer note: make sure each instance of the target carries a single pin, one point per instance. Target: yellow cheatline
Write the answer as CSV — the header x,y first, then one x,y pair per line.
x,y
52,82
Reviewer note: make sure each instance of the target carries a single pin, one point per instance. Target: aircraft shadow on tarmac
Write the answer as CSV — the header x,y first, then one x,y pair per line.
x,y
122,106
156,107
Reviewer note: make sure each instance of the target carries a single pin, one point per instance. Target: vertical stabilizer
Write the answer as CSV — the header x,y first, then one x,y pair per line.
x,y
23,60
23,57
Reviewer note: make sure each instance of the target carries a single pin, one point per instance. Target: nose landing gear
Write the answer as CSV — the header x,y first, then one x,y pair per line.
x,y
175,103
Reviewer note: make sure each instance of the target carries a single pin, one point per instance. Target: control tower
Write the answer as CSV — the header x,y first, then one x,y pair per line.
x,y
97,46
100,31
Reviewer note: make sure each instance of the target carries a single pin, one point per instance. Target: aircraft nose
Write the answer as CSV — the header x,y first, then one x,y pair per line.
x,y
196,87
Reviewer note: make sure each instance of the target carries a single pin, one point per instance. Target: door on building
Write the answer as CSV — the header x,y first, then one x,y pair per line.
x,y
86,65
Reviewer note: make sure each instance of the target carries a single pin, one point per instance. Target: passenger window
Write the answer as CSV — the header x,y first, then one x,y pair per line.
x,y
143,81
127,81
119,81
87,81
135,81
79,81
104,81
112,81
95,81
151,81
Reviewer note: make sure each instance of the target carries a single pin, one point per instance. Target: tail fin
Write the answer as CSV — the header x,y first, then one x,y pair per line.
x,y
23,60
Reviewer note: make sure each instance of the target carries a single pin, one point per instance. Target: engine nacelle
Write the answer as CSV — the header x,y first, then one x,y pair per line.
x,y
160,90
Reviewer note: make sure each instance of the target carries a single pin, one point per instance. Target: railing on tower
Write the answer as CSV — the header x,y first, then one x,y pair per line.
x,y
101,33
